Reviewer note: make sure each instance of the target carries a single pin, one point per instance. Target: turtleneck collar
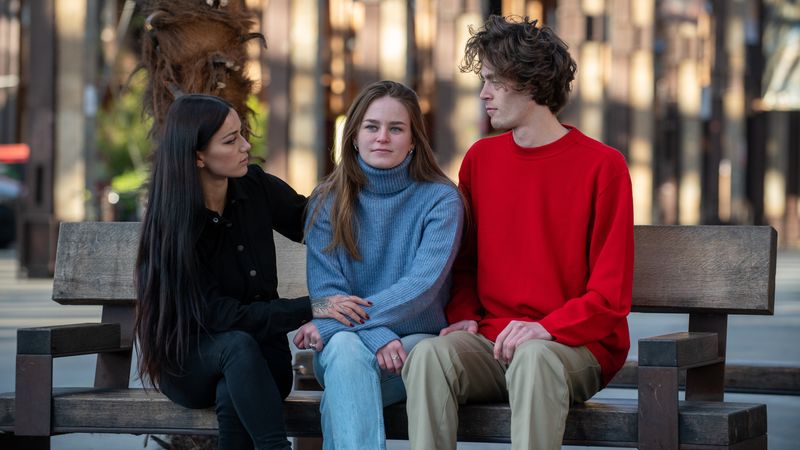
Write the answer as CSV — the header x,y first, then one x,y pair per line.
x,y
386,181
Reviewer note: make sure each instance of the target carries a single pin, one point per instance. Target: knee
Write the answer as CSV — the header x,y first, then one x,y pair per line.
x,y
427,358
535,356
237,339
237,344
346,349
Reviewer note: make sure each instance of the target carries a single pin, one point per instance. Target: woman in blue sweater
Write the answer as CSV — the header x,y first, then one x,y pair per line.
x,y
384,226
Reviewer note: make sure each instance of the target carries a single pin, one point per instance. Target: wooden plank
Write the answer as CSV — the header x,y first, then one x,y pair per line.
x,y
95,264
678,350
721,268
32,408
598,421
753,378
112,370
658,426
717,423
291,264
67,340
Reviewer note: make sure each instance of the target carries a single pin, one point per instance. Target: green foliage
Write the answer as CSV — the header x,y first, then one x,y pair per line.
x,y
122,140
258,137
124,146
129,181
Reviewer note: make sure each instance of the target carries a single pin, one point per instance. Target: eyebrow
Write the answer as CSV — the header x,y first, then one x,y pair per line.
x,y
394,122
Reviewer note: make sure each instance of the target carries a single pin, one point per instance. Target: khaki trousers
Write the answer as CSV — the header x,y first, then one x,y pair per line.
x,y
541,382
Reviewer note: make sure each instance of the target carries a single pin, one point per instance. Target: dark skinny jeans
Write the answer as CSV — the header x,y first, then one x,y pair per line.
x,y
246,382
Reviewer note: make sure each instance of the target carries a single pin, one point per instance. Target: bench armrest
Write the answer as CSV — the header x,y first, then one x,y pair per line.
x,y
684,350
70,340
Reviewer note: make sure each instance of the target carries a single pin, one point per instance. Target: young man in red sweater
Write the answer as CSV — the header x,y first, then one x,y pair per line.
x,y
542,285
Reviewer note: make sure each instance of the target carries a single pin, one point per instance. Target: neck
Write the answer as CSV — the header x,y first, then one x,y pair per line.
x,y
541,128
215,190
386,181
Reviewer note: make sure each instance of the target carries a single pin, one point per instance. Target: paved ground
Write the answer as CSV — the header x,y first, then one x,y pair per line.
x,y
25,303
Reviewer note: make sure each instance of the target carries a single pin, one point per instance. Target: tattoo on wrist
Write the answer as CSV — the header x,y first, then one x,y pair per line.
x,y
320,306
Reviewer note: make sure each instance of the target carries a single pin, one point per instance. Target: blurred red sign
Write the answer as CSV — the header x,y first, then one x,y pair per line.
x,y
14,153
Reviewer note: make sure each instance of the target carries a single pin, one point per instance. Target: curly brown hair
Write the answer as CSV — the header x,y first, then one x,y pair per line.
x,y
530,58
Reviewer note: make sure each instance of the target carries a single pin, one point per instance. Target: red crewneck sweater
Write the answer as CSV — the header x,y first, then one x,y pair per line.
x,y
551,240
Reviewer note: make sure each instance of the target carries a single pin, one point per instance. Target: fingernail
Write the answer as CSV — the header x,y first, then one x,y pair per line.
x,y
367,316
361,321
350,325
370,303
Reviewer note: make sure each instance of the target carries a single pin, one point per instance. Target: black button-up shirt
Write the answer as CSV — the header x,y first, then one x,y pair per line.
x,y
237,257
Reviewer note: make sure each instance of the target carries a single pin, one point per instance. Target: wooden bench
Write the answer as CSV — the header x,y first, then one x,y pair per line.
x,y
707,272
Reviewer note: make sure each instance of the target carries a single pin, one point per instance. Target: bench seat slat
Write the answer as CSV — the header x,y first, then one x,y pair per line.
x,y
611,421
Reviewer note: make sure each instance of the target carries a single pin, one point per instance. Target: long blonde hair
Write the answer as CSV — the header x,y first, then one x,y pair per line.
x,y
347,178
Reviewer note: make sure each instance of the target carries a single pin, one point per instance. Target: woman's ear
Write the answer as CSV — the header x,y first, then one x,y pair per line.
x,y
199,160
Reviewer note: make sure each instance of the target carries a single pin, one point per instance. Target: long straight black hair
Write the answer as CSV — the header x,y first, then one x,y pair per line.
x,y
170,303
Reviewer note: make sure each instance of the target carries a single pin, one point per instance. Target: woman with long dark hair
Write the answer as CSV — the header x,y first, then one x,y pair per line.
x,y
210,327
384,226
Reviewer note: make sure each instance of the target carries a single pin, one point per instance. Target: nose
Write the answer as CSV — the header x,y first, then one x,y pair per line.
x,y
485,91
383,135
246,145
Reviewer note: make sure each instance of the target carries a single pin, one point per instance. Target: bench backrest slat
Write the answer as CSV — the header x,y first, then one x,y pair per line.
x,y
727,269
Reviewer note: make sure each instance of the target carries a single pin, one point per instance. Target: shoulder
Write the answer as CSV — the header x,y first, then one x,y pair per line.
x,y
487,144
439,194
604,156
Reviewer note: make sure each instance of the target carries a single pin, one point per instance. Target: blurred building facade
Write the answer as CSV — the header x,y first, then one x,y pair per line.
x,y
702,96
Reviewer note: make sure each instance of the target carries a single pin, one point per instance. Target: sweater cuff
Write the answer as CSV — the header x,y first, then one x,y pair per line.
x,y
375,338
327,328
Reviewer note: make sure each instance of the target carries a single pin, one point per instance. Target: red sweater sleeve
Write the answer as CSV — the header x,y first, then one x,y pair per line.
x,y
607,300
464,303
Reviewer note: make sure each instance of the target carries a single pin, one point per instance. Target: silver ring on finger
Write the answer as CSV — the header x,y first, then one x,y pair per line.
x,y
395,357
313,345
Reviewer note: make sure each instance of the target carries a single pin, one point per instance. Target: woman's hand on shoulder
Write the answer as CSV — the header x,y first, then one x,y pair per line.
x,y
392,356
308,336
344,308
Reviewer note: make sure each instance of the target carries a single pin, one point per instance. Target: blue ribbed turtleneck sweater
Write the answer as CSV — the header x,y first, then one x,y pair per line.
x,y
408,234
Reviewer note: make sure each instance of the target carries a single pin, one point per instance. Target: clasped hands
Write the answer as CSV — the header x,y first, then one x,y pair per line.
x,y
344,308
515,334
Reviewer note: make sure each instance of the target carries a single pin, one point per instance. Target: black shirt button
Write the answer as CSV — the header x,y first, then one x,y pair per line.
x,y
240,247
229,224
252,272
258,296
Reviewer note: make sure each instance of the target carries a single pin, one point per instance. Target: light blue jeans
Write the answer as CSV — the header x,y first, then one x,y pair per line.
x,y
356,390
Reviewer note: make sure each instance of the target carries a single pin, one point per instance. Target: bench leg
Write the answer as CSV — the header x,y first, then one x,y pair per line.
x,y
33,399
11,441
658,408
307,443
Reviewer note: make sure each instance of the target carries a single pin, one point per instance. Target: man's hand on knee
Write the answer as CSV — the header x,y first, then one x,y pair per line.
x,y
470,326
515,334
